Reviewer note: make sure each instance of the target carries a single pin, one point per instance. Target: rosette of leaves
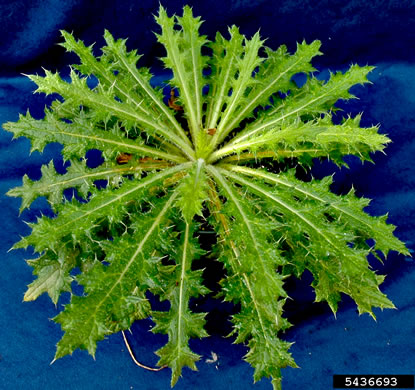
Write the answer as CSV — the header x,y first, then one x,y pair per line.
x,y
198,159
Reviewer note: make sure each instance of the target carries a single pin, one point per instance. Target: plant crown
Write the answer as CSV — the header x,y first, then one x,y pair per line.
x,y
198,159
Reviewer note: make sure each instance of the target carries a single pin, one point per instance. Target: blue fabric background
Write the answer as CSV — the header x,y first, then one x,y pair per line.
x,y
380,33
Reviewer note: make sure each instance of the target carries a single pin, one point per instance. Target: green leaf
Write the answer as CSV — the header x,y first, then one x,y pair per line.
x,y
185,59
245,67
76,220
315,97
274,75
104,101
193,191
316,138
334,253
224,65
52,275
114,293
179,283
52,184
346,208
117,70
199,162
251,261
79,137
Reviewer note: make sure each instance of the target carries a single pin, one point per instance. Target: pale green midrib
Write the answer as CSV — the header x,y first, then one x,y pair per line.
x,y
145,149
252,172
251,292
280,202
200,164
197,88
84,176
272,153
154,178
181,288
193,128
254,130
230,108
235,201
156,222
210,98
276,137
93,63
135,116
253,100
219,102
257,309
214,172
240,146
94,98
165,110
248,285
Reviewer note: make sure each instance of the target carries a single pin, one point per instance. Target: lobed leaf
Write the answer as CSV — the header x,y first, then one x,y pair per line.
x,y
103,101
80,136
75,220
274,75
193,191
347,208
52,184
246,65
115,293
251,260
224,65
117,70
316,138
178,284
163,176
333,251
53,276
315,97
185,59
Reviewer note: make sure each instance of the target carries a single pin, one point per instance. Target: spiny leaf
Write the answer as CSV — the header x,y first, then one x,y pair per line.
x,y
166,179
185,59
224,65
274,75
252,281
103,101
52,275
179,284
76,219
52,184
348,209
313,98
114,293
245,66
316,138
79,137
334,253
193,191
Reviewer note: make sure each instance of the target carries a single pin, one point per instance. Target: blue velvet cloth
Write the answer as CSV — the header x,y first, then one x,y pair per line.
x,y
380,33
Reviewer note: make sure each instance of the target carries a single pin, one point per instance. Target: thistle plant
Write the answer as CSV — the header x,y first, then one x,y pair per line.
x,y
198,159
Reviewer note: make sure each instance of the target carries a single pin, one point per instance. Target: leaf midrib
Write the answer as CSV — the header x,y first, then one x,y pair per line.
x,y
253,101
181,289
281,203
252,172
141,185
246,221
254,129
156,222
